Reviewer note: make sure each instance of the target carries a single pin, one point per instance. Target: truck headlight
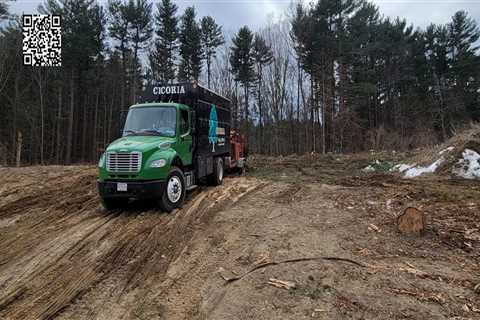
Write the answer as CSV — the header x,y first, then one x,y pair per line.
x,y
160,163
101,162
164,145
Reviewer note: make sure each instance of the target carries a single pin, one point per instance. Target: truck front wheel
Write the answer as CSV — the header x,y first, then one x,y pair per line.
x,y
174,192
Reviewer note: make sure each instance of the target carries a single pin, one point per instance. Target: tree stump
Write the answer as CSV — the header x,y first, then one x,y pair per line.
x,y
411,221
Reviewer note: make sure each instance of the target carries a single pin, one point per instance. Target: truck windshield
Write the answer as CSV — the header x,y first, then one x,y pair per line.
x,y
160,121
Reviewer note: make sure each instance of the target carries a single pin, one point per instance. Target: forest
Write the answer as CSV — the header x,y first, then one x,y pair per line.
x,y
332,76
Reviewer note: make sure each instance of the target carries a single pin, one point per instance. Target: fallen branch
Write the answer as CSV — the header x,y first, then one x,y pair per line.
x,y
282,284
422,296
273,263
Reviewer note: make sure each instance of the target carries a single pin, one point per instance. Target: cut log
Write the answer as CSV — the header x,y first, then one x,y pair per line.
x,y
411,221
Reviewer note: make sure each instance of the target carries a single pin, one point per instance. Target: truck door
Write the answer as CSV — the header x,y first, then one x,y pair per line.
x,y
185,141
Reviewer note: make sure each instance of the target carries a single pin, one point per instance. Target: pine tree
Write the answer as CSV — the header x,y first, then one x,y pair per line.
x,y
118,31
190,47
436,68
463,35
262,55
139,14
212,38
162,58
242,63
82,27
302,35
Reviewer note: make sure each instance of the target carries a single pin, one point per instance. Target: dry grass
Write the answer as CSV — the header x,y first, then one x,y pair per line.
x,y
467,138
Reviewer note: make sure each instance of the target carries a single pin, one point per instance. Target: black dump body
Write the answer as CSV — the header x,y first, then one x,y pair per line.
x,y
210,119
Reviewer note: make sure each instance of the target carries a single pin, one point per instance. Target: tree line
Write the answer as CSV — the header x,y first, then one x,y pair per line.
x,y
381,79
69,114
335,76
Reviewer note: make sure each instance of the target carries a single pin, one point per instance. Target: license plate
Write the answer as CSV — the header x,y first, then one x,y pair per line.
x,y
122,187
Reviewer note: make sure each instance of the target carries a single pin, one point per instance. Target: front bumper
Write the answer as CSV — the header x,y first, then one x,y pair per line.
x,y
135,189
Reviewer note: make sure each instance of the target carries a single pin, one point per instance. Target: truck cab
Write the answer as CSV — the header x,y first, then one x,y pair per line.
x,y
169,144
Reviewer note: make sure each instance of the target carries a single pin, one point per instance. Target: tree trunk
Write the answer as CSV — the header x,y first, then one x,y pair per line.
x,y
68,158
59,125
245,86
135,57
235,114
260,109
105,117
84,130
208,71
95,120
19,149
299,83
312,113
305,116
110,119
292,128
324,122
42,116
124,77
15,106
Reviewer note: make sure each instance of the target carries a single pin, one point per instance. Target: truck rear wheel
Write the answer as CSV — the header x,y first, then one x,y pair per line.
x,y
174,193
216,178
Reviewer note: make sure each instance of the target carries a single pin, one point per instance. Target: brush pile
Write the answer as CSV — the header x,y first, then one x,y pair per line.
x,y
458,157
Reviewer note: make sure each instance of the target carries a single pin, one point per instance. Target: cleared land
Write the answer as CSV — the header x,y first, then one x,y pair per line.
x,y
63,257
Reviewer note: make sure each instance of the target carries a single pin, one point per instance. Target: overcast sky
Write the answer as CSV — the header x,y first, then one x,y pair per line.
x,y
235,13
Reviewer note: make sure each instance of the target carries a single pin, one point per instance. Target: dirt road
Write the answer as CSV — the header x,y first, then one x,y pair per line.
x,y
63,257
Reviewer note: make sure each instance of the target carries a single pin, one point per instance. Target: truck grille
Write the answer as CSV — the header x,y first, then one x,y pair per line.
x,y
124,162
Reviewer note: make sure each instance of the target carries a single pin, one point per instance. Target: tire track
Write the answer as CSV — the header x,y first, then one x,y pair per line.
x,y
65,257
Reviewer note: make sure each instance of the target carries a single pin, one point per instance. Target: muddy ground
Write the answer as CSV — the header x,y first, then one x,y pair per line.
x,y
63,257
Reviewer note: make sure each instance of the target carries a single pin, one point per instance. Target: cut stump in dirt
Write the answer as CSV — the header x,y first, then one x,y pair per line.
x,y
411,221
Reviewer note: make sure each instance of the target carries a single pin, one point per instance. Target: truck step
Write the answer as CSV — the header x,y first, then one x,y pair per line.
x,y
191,187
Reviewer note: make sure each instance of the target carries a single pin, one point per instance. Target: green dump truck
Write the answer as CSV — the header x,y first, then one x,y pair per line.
x,y
178,137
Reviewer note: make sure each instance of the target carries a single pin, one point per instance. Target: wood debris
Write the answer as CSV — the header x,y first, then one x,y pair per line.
x,y
476,289
412,270
468,307
365,252
472,234
422,296
282,284
273,263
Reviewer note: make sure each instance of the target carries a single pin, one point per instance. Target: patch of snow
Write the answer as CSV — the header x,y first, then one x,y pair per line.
x,y
368,169
402,167
371,168
418,171
469,166
446,150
